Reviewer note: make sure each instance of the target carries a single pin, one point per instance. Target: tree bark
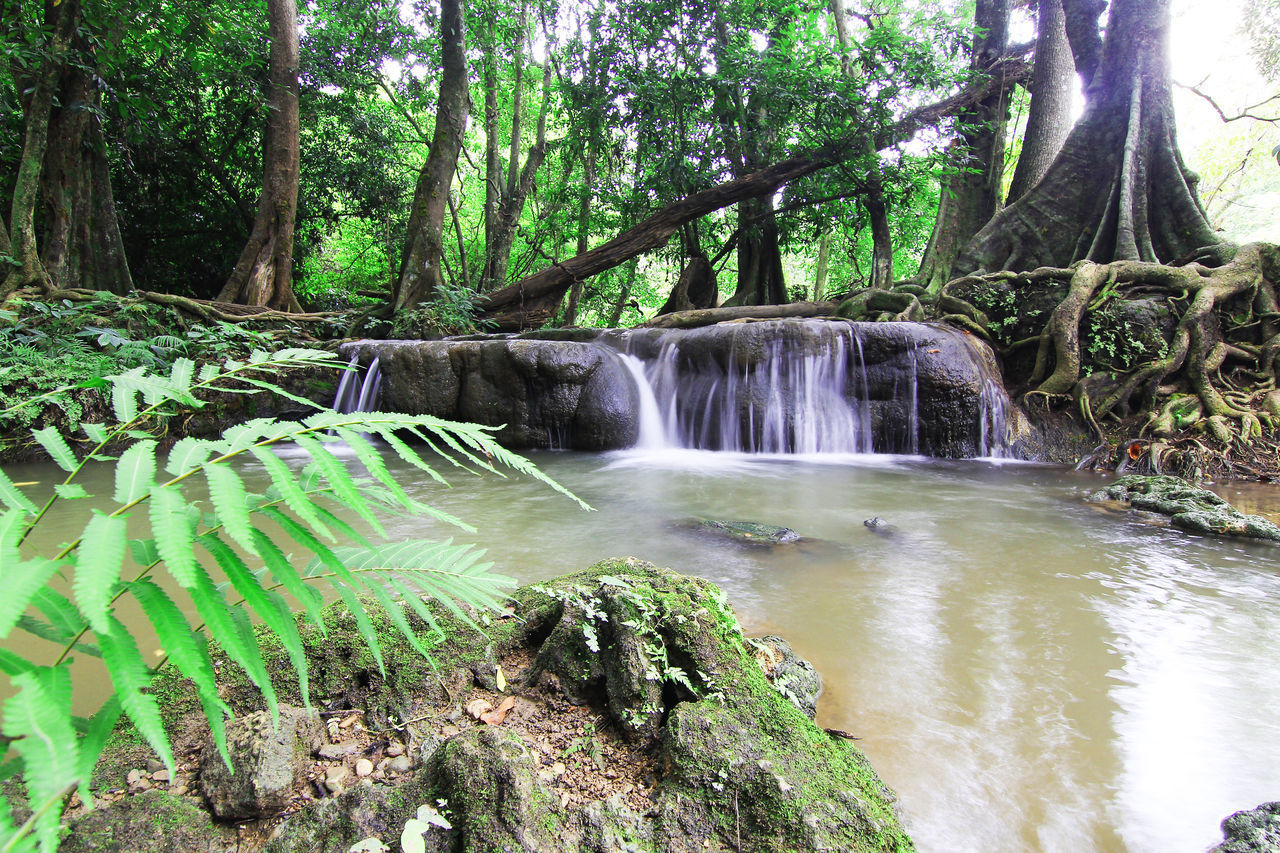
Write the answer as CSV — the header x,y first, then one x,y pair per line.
x,y
824,263
1118,190
972,192
420,274
22,225
1049,120
264,273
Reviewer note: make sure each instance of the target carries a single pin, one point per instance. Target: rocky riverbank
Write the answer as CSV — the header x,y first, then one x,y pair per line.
x,y
617,709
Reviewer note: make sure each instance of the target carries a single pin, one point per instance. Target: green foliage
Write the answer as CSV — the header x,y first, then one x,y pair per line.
x,y
163,573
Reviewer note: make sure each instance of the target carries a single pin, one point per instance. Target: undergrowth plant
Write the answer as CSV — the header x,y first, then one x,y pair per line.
x,y
71,596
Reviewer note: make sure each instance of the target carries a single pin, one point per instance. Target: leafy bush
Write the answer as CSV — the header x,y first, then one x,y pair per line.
x,y
54,752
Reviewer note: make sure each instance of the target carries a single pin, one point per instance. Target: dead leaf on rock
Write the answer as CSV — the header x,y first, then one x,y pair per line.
x,y
476,708
495,717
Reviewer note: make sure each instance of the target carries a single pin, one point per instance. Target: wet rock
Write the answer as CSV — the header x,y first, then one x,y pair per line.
x,y
489,779
1188,507
562,394
742,532
268,762
1253,831
795,677
364,811
880,527
152,822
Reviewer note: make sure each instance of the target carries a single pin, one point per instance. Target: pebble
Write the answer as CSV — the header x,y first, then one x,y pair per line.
x,y
335,778
558,768
153,765
179,791
364,767
337,750
160,776
395,748
133,777
400,764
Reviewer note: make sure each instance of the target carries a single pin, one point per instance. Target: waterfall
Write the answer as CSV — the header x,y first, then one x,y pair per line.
x,y
799,395
993,420
364,398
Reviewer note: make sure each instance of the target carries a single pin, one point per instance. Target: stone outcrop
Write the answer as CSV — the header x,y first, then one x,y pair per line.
x,y
267,761
1252,831
637,718
543,393
1189,508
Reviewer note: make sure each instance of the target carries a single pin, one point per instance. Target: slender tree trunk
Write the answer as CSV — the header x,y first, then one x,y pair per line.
x,y
973,191
585,194
519,184
492,169
1053,78
824,264
420,265
625,293
1118,189
22,225
264,273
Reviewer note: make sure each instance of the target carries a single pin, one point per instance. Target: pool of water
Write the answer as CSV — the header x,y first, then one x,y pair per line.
x,y
1029,672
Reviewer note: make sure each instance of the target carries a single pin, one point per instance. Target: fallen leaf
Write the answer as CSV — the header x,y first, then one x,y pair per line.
x,y
477,707
495,717
352,720
502,680
935,351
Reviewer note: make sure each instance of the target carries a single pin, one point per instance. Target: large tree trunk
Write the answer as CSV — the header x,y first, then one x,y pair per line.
x,y
1053,78
972,193
22,225
1118,190
264,273
420,273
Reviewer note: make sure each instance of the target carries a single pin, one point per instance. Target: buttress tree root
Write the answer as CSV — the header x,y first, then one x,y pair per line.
x,y
1193,347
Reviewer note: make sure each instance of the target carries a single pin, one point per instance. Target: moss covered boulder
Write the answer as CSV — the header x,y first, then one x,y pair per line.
x,y
1188,507
618,709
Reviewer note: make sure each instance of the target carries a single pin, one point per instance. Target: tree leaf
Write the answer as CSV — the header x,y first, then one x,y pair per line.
x,y
99,560
46,740
56,446
22,580
174,533
12,497
227,492
135,472
130,677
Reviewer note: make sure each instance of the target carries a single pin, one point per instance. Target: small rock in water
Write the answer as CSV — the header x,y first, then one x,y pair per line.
x,y
879,526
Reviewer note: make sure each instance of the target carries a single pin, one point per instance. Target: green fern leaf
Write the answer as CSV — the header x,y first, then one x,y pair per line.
x,y
62,614
57,448
144,551
410,456
287,576
414,599
373,583
129,679
230,627
95,738
285,480
181,372
215,711
12,663
97,433
345,529
99,560
268,607
70,491
22,580
227,492
13,526
174,533
276,390
135,472
47,742
12,497
339,479
45,631
187,454
373,463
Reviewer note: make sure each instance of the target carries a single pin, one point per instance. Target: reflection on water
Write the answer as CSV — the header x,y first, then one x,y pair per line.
x,y
1029,673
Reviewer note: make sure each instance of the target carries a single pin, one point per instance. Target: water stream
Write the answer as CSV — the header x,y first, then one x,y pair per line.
x,y
1030,673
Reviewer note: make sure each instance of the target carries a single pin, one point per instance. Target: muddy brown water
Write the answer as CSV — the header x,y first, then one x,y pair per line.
x,y
1027,671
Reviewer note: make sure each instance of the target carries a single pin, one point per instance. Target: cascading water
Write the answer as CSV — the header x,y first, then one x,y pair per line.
x,y
993,420
358,393
804,394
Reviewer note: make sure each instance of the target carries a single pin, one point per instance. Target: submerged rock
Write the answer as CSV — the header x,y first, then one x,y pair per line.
x,y
1253,831
1188,507
742,532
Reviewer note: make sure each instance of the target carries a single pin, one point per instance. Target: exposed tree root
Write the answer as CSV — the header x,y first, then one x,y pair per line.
x,y
1210,378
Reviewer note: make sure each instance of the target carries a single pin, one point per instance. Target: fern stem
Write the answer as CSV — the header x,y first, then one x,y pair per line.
x,y
25,829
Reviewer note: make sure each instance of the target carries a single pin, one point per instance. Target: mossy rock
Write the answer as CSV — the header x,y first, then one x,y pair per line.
x,y
749,533
151,822
1189,508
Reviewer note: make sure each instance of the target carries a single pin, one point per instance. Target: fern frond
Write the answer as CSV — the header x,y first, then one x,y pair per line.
x,y
286,482
129,679
174,533
12,497
57,448
12,663
411,456
287,576
267,606
45,631
97,433
229,497
99,560
63,616
277,390
181,373
46,740
373,462
340,480
95,738
135,472
188,454
23,579
230,627
185,648
363,625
